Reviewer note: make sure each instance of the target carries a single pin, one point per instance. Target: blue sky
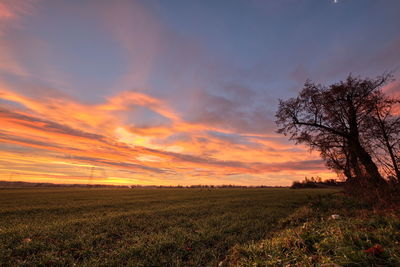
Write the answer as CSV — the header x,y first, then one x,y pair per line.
x,y
181,80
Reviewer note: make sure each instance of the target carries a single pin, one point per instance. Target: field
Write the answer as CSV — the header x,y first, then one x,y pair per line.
x,y
137,227
360,234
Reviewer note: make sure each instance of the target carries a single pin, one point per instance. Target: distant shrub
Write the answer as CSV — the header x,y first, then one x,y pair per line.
x,y
316,182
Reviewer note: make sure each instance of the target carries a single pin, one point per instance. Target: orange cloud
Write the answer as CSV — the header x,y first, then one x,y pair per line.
x,y
5,12
12,10
65,139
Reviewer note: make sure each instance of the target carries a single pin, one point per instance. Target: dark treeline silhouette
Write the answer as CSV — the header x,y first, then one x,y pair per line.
x,y
11,184
14,184
205,186
353,125
316,182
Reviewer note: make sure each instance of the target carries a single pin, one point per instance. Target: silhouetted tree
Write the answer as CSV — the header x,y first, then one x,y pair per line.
x,y
384,133
336,120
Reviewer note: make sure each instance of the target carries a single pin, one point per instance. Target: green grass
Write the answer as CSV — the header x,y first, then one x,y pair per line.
x,y
137,227
310,237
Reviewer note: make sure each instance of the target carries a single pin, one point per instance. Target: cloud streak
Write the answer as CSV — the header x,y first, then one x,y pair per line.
x,y
181,147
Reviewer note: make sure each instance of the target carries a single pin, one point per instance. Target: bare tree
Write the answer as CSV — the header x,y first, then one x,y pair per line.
x,y
384,133
334,120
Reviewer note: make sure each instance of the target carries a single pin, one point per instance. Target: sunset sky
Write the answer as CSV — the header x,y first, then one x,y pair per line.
x,y
175,92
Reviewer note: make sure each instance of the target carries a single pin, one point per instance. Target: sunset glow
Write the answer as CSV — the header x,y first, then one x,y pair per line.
x,y
173,92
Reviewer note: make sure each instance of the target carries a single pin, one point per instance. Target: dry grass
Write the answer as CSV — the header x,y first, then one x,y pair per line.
x,y
360,236
137,227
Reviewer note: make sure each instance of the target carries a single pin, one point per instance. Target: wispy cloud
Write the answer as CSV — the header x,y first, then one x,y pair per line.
x,y
96,135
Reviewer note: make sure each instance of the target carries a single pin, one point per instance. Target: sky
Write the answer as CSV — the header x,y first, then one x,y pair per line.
x,y
176,92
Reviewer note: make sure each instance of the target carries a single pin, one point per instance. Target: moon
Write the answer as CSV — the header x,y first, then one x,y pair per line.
x,y
335,1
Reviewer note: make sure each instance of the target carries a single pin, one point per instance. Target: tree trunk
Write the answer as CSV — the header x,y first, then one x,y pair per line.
x,y
355,165
370,166
363,156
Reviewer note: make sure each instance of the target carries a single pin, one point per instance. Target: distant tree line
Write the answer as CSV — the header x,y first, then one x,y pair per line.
x,y
203,186
353,124
316,182
33,184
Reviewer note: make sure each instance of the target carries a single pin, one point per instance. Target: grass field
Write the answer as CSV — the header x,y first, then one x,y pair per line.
x,y
362,234
137,227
